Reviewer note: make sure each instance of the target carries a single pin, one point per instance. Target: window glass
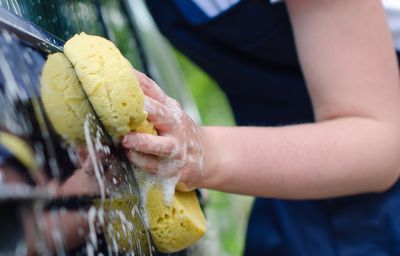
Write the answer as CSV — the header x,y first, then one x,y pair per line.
x,y
66,18
119,31
61,18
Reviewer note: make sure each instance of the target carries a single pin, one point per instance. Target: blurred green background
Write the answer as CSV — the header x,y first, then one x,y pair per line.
x,y
227,214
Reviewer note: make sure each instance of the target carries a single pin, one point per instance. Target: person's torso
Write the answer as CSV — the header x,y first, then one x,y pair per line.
x,y
248,48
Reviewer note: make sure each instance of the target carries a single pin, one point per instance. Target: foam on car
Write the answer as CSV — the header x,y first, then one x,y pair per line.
x,y
175,220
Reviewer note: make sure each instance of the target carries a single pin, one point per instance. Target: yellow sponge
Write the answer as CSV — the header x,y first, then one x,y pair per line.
x,y
20,149
63,98
177,226
109,81
114,92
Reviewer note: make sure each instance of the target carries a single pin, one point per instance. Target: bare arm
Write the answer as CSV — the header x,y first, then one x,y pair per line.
x,y
350,68
349,64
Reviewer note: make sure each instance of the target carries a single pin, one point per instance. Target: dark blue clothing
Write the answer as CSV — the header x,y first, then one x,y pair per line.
x,y
249,50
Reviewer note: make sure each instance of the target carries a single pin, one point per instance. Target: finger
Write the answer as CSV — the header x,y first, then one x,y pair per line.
x,y
151,144
150,88
87,167
144,162
158,115
81,155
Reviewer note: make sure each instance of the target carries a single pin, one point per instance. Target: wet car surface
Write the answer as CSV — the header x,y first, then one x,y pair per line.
x,y
56,197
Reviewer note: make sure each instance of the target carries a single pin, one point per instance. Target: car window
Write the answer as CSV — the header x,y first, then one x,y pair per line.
x,y
61,18
119,30
64,19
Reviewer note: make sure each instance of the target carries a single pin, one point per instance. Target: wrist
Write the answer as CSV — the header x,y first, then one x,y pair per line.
x,y
210,159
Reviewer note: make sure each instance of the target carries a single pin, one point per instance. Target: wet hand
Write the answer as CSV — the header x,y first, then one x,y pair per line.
x,y
177,150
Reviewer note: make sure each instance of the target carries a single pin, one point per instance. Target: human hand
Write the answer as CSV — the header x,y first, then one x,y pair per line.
x,y
177,151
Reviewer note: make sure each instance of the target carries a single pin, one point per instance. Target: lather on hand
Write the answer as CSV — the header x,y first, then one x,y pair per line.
x,y
177,150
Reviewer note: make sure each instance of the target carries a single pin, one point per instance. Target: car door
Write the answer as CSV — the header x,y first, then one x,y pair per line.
x,y
51,201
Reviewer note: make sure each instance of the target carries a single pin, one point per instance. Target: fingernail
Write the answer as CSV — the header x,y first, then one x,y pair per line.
x,y
130,140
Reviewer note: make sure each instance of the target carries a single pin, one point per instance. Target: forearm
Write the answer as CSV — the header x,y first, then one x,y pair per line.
x,y
333,158
351,73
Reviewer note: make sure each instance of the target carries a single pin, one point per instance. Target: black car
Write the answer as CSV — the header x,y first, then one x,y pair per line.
x,y
47,205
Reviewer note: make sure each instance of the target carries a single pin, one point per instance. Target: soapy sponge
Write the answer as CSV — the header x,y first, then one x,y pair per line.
x,y
108,80
63,98
114,92
174,227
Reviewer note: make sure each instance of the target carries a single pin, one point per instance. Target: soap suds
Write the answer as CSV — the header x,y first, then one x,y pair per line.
x,y
147,181
92,229
92,155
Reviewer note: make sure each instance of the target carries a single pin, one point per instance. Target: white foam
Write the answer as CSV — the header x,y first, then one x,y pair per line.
x,y
146,181
100,216
175,110
89,249
115,181
92,154
56,234
92,230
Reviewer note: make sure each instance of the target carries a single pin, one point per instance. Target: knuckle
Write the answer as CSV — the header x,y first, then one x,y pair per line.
x,y
148,105
180,154
172,150
175,103
172,147
139,75
144,80
160,110
150,82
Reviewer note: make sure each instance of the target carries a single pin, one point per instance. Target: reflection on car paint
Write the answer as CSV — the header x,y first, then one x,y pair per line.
x,y
68,209
59,208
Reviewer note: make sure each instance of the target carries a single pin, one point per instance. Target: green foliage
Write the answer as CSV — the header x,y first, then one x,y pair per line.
x,y
212,103
226,213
